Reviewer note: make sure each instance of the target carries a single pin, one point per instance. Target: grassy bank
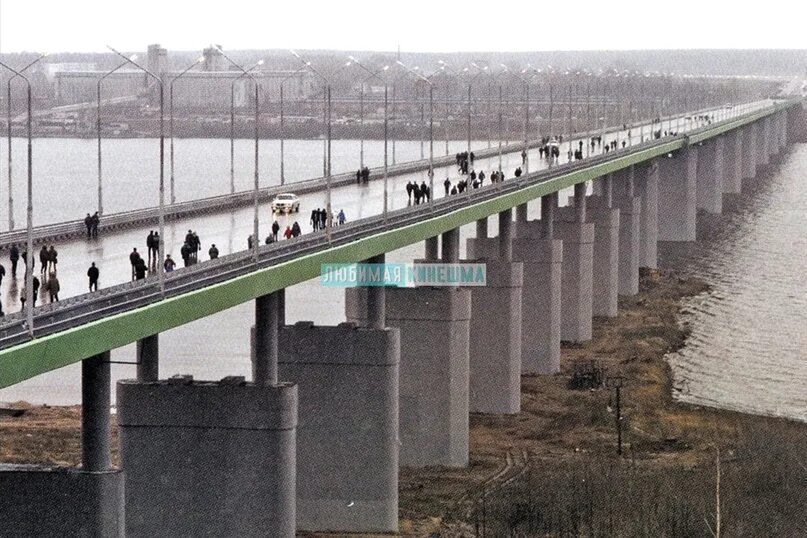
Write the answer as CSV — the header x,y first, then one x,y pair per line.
x,y
553,469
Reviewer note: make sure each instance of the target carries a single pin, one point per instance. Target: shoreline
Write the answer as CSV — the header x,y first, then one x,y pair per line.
x,y
557,425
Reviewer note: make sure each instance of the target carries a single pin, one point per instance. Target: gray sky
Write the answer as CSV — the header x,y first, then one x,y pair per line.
x,y
417,25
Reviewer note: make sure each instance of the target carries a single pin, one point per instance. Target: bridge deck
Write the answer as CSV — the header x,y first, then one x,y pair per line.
x,y
232,229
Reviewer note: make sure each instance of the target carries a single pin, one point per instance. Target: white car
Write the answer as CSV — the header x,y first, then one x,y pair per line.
x,y
285,203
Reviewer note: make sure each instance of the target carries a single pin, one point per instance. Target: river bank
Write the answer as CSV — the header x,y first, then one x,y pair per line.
x,y
560,451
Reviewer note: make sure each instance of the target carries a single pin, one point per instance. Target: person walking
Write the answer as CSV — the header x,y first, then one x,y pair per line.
x,y
53,287
447,185
185,253
43,259
88,225
95,221
295,229
340,217
14,256
275,229
53,258
169,264
287,233
140,269
133,257
92,274
213,252
150,246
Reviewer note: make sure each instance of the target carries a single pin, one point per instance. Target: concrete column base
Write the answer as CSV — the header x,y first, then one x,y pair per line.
x,y
630,214
576,276
647,190
677,192
710,176
749,152
434,326
495,339
40,500
540,299
605,276
347,438
208,458
732,163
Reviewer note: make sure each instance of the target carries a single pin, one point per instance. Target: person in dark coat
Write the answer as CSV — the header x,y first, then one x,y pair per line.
x,y
95,221
150,246
133,257
447,186
14,256
424,192
295,229
43,259
88,225
185,252
275,229
140,269
53,259
213,252
92,274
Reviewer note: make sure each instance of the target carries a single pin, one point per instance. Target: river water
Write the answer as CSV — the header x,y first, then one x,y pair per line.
x,y
748,338
748,348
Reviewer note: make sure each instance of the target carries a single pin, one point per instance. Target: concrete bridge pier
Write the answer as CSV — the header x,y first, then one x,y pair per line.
x,y
749,152
434,325
647,189
679,190
45,500
630,215
577,272
761,131
347,437
495,340
147,352
605,275
710,176
432,252
208,458
542,258
732,163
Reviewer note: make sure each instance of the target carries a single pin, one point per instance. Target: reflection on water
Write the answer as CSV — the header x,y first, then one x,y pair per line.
x,y
747,348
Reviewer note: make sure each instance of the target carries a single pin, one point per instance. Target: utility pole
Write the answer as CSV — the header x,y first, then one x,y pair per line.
x,y
616,382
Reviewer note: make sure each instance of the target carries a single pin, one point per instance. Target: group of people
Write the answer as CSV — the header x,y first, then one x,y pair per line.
x,y
319,219
91,223
417,193
48,259
362,175
464,161
190,248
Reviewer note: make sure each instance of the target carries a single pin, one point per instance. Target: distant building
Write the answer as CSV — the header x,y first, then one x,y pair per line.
x,y
205,88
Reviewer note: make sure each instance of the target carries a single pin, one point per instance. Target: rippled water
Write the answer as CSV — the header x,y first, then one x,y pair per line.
x,y
747,351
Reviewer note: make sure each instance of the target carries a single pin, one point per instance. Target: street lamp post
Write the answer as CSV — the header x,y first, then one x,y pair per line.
x,y
256,238
29,261
171,121
370,74
98,131
445,68
431,130
8,126
282,128
232,123
327,100
526,84
161,216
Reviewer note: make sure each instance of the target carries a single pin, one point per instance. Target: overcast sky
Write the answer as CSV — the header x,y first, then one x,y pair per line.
x,y
415,25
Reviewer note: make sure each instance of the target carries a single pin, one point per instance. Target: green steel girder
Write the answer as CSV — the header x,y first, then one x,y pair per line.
x,y
41,355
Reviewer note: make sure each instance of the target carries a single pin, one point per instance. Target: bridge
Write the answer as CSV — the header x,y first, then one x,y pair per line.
x,y
425,357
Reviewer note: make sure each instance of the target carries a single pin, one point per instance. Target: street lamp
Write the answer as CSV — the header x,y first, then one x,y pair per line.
x,y
232,123
98,130
29,262
526,84
445,69
171,120
431,130
370,74
8,104
256,238
161,218
328,212
282,127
